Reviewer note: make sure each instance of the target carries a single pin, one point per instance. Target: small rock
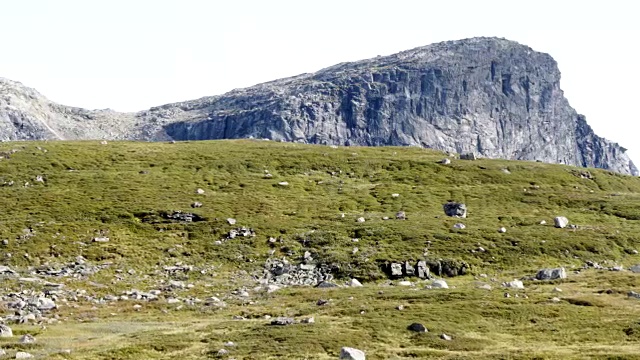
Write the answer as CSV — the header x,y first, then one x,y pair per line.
x,y
200,191
561,222
515,284
360,220
231,221
283,183
555,300
459,226
502,230
417,327
309,320
223,352
23,355
400,307
321,302
635,269
102,239
27,339
455,209
405,283
347,353
439,284
282,321
543,222
507,295
633,294
229,344
556,290
551,274
445,161
355,283
400,215
326,285
395,195
196,204
445,337
484,287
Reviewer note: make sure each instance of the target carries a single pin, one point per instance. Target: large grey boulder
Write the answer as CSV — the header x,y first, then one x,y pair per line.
x,y
439,284
5,331
551,274
455,209
561,222
348,353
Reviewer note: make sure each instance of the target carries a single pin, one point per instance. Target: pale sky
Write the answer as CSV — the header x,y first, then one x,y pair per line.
x,y
134,54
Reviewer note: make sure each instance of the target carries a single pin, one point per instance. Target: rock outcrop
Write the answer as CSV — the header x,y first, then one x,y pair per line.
x,y
491,97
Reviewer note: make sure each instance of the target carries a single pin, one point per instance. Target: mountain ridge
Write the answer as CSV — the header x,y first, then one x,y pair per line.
x,y
491,96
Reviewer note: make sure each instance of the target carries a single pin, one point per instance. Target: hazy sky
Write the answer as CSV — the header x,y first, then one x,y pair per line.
x,y
134,54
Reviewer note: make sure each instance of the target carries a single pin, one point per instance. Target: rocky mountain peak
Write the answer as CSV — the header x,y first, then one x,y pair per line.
x,y
490,96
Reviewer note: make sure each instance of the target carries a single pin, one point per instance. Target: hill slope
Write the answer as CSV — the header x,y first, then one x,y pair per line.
x,y
490,96
198,287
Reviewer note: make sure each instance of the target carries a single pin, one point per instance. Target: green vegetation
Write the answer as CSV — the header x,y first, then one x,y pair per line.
x,y
120,190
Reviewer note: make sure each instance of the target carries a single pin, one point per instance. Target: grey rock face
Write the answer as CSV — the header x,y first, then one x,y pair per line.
x,y
491,97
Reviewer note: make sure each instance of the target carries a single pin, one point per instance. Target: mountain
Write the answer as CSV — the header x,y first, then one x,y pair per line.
x,y
490,96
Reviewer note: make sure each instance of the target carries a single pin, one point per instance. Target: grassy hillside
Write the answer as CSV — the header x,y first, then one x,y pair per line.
x,y
121,190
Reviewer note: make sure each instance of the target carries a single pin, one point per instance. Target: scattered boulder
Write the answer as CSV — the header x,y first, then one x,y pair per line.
x,y
395,195
445,161
445,337
635,269
22,354
326,285
502,230
560,222
101,239
223,352
355,283
196,204
417,327
543,222
633,294
347,353
200,191
283,183
468,156
405,283
515,284
400,215
27,339
459,226
309,320
551,274
5,331
282,321
231,221
455,209
439,284
556,290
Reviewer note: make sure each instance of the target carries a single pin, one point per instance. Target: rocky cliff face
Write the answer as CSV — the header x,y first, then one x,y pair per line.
x,y
490,96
